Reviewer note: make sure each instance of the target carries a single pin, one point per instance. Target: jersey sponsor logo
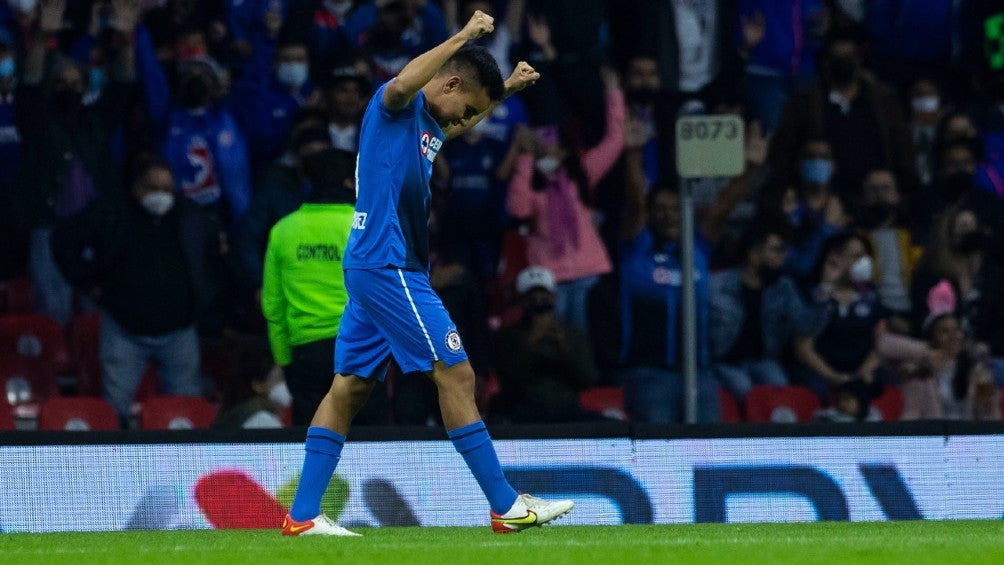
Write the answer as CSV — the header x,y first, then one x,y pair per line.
x,y
198,180
318,252
359,220
453,342
429,146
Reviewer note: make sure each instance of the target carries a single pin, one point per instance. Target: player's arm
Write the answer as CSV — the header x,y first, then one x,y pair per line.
x,y
402,90
522,76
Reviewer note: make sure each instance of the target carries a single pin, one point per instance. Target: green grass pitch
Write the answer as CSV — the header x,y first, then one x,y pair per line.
x,y
912,543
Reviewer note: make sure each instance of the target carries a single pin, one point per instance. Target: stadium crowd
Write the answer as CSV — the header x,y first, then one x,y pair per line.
x,y
147,148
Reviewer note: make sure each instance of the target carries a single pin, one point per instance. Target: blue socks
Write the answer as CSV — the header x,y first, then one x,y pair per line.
x,y
474,444
324,448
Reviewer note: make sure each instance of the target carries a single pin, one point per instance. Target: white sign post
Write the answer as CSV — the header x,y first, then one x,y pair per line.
x,y
706,146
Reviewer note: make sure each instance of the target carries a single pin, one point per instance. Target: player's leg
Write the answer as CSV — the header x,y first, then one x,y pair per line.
x,y
422,338
360,350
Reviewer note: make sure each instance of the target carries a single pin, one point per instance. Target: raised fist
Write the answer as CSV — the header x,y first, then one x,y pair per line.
x,y
481,24
522,76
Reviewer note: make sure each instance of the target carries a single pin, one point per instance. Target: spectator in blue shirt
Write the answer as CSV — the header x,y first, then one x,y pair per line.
x,y
264,106
651,289
198,137
395,31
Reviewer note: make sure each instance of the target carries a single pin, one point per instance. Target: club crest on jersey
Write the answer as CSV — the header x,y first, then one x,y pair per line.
x,y
429,146
453,342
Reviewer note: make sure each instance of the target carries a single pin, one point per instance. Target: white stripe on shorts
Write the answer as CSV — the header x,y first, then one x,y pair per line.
x,y
414,309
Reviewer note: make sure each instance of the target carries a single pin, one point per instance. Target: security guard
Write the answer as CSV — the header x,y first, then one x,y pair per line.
x,y
303,293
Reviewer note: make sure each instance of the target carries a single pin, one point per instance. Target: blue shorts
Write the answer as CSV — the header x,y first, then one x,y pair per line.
x,y
394,312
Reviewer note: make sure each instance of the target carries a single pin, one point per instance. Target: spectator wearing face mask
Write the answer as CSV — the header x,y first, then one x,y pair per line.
x,y
896,255
925,113
858,116
281,190
811,211
552,188
841,348
962,251
755,313
264,106
66,154
255,396
543,363
196,134
955,185
153,263
958,126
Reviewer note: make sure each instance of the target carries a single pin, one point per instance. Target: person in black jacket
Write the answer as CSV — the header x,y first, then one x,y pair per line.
x,y
152,262
66,156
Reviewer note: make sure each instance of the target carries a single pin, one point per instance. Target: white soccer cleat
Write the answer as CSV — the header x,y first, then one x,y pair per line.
x,y
529,512
320,526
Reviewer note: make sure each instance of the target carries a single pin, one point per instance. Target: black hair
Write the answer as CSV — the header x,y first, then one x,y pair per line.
x,y
311,134
837,243
477,62
307,114
571,139
756,235
146,163
327,172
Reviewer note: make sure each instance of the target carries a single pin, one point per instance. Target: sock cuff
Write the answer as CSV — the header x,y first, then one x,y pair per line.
x,y
463,431
323,440
469,437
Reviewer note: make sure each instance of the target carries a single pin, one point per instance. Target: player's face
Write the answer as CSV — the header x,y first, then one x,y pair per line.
x,y
460,103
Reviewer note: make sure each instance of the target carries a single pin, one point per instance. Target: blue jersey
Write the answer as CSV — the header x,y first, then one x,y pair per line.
x,y
396,150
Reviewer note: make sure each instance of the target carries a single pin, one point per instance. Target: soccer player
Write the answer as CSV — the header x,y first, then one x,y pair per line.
x,y
392,309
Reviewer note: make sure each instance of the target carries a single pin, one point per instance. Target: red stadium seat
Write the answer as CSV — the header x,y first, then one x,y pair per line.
x,y
605,400
765,403
17,296
177,413
25,380
6,417
77,414
85,340
729,407
35,336
890,404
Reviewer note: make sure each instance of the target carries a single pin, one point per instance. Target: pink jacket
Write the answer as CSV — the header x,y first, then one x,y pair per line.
x,y
590,257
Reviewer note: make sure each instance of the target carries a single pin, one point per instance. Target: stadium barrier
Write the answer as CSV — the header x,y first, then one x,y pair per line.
x,y
99,481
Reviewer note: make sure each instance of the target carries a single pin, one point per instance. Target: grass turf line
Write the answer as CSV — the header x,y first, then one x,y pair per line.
x,y
912,543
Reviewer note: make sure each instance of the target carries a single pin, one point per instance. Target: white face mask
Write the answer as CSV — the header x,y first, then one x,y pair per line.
x,y
547,165
158,203
292,75
926,103
280,395
338,7
861,270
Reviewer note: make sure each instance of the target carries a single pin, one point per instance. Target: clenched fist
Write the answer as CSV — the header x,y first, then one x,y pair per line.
x,y
480,24
522,76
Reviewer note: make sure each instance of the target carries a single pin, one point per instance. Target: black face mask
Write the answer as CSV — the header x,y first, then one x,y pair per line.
x,y
877,214
642,96
841,70
66,100
194,93
970,243
769,275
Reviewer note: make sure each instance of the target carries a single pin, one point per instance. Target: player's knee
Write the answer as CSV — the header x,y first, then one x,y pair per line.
x,y
458,379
